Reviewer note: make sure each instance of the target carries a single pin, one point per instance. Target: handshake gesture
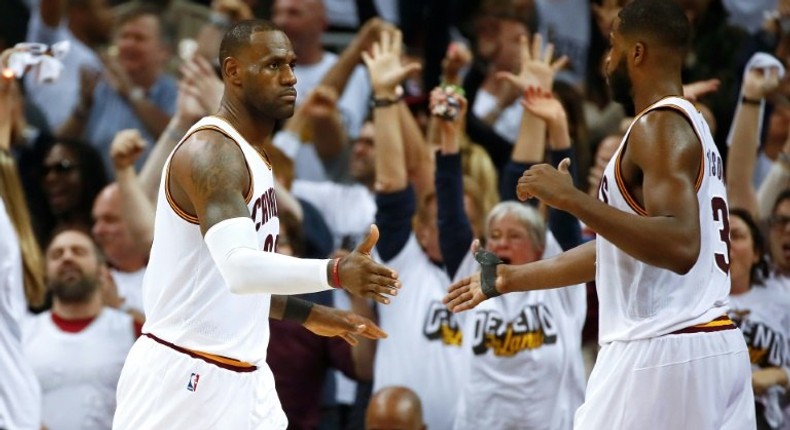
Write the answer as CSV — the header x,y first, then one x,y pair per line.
x,y
358,274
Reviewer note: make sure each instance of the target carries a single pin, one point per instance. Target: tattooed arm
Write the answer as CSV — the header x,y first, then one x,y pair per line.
x,y
208,180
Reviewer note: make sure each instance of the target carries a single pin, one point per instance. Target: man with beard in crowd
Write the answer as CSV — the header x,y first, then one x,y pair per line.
x,y
77,349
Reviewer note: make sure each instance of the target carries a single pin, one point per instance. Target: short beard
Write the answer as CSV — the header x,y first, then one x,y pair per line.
x,y
621,88
77,291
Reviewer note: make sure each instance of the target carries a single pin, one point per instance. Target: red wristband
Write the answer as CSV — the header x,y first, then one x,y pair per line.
x,y
336,274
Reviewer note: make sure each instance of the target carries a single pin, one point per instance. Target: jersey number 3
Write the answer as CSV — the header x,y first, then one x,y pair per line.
x,y
721,213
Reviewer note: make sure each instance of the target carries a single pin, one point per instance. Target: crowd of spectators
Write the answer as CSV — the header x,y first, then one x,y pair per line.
x,y
82,158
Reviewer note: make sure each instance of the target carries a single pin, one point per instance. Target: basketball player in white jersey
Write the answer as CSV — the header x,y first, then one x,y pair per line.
x,y
208,290
670,358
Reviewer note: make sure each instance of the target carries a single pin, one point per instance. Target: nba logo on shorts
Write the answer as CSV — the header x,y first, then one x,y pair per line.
x,y
193,381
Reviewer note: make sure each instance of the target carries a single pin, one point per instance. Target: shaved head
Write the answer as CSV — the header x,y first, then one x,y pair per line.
x,y
394,408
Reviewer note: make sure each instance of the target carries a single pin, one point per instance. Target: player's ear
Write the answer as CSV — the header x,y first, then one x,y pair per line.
x,y
638,53
231,70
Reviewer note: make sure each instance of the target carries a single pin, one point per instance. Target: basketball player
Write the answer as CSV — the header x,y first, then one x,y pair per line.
x,y
208,288
669,357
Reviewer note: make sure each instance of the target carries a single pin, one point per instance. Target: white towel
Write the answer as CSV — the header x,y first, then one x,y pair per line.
x,y
40,59
759,60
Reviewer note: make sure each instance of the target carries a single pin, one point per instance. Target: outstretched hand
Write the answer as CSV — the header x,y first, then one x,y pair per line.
x,y
329,322
466,293
363,277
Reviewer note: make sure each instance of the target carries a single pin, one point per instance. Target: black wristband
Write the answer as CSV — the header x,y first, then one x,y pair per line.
x,y
747,101
488,263
297,310
379,103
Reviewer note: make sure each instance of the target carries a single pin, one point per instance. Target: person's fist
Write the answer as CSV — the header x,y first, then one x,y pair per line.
x,y
126,148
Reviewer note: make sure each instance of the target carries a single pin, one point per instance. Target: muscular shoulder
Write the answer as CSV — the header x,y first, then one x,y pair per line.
x,y
209,161
665,135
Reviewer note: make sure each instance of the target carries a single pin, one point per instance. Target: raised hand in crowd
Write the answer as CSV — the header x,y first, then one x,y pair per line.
x,y
545,106
116,76
370,33
538,68
321,103
126,148
457,57
744,142
233,10
88,80
201,83
386,73
385,67
450,129
199,94
318,120
605,13
760,83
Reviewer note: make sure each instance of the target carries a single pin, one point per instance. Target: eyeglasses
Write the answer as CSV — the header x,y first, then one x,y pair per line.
x,y
780,221
60,167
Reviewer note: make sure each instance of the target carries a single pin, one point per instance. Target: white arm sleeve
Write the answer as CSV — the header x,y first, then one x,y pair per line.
x,y
247,270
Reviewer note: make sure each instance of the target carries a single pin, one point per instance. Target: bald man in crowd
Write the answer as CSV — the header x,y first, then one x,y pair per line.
x,y
394,408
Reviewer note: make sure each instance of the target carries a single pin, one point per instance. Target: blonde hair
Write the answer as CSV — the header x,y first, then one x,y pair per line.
x,y
422,216
32,257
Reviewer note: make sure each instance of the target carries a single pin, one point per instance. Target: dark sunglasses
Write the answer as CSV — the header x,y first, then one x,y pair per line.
x,y
59,167
779,221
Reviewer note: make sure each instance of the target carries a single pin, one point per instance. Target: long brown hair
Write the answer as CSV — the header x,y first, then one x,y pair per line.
x,y
32,257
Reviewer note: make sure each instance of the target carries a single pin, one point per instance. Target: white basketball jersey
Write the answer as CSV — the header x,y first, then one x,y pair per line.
x,y
640,301
186,300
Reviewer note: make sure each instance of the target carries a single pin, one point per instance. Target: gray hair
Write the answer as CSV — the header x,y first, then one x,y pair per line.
x,y
527,215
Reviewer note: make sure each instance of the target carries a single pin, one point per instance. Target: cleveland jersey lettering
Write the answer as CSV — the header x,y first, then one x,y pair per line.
x,y
264,208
